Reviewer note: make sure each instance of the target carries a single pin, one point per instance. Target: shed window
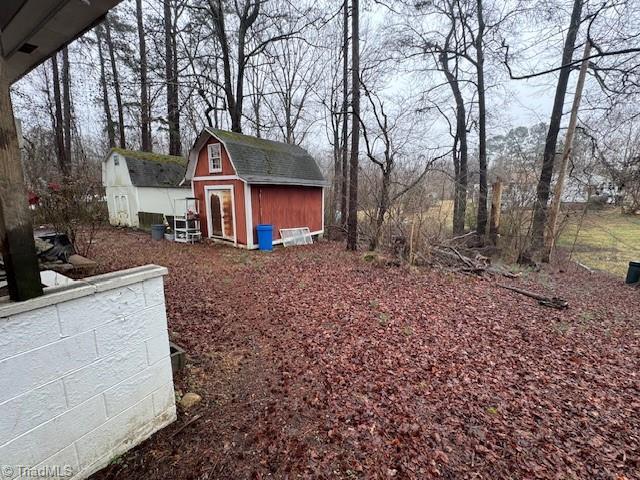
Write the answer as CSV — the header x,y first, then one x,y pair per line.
x,y
215,162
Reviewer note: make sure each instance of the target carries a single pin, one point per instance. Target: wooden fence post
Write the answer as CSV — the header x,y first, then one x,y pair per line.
x,y
496,206
16,229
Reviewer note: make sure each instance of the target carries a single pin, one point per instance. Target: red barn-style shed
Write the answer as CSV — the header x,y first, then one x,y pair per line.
x,y
242,181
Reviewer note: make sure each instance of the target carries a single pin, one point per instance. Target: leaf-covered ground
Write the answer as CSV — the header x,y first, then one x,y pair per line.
x,y
313,363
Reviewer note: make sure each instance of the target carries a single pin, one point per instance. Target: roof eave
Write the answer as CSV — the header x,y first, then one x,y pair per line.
x,y
266,180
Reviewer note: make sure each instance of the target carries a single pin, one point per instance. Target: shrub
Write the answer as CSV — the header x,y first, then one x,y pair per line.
x,y
75,207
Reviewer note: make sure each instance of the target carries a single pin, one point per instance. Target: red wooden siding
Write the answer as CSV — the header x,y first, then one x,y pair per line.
x,y
286,207
202,166
238,189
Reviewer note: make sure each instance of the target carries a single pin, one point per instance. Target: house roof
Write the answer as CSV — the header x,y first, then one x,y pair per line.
x,y
148,169
262,161
32,30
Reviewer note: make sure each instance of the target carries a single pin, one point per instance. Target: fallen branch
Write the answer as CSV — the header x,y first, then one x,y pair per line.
x,y
464,259
466,235
186,424
554,302
582,265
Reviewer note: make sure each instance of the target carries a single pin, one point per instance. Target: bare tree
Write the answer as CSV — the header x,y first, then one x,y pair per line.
x,y
58,122
116,83
344,177
293,75
352,221
392,140
481,219
546,173
110,127
66,108
246,17
145,108
249,43
171,69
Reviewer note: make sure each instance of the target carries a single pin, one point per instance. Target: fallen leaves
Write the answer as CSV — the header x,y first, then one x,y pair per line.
x,y
314,363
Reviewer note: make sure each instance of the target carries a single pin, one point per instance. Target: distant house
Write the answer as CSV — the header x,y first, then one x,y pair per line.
x,y
141,187
242,181
584,187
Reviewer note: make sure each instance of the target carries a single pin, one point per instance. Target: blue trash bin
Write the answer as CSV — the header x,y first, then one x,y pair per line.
x,y
265,237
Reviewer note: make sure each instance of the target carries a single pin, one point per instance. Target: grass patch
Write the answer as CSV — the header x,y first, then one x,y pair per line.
x,y
607,240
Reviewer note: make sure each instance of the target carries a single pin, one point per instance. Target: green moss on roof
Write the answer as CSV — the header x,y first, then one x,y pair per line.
x,y
251,141
259,159
150,156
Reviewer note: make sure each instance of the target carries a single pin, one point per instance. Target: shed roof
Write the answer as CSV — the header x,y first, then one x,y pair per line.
x,y
258,160
148,169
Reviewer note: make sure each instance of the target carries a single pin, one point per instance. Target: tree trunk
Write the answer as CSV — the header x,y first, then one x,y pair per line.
x,y
145,108
546,173
116,84
16,230
337,164
66,109
462,180
111,132
496,207
383,206
352,223
171,72
236,114
481,219
58,123
344,189
552,223
177,141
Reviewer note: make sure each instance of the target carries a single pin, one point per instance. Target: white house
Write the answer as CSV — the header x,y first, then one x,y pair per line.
x,y
141,187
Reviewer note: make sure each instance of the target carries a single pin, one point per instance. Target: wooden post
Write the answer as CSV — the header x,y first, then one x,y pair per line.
x,y
16,230
552,218
496,206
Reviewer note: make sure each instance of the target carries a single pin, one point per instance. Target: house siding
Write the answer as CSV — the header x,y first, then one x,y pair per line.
x,y
85,375
286,207
202,166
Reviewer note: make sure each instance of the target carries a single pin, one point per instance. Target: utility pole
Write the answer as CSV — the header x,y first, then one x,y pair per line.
x,y
552,219
16,229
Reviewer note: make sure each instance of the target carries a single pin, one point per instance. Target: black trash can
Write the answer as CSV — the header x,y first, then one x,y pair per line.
x,y
157,232
633,274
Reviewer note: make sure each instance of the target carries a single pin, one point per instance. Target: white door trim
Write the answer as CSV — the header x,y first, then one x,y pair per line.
x,y
248,213
208,191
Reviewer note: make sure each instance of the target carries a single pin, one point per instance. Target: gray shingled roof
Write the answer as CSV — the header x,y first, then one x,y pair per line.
x,y
258,160
152,169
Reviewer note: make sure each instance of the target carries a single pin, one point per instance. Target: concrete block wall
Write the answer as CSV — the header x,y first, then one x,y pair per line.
x,y
85,374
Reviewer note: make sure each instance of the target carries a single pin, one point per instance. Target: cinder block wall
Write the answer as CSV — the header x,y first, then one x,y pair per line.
x,y
85,374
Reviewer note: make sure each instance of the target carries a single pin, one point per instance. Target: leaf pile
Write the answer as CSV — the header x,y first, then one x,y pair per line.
x,y
313,363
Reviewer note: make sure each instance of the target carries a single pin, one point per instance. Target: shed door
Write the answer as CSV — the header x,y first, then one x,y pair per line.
x,y
216,216
221,208
122,209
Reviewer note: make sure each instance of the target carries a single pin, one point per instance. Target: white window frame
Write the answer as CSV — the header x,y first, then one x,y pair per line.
x,y
211,158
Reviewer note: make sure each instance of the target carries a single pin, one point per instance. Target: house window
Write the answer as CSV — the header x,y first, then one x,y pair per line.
x,y
215,162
